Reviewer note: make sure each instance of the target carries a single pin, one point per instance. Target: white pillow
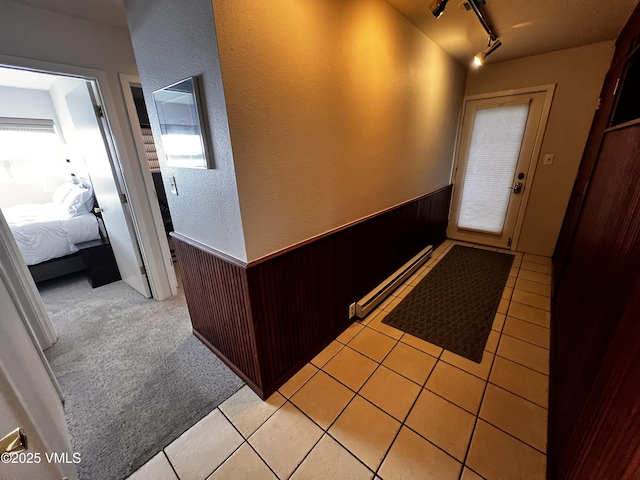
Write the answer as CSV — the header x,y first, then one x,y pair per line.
x,y
79,200
61,192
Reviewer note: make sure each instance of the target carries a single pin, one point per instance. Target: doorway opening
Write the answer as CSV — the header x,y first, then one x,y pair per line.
x,y
62,192
151,155
498,145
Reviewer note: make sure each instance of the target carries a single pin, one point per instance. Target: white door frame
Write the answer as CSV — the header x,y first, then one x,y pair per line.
x,y
136,185
30,395
548,90
22,289
169,281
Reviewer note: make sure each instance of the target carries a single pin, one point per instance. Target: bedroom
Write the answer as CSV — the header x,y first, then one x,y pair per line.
x,y
58,192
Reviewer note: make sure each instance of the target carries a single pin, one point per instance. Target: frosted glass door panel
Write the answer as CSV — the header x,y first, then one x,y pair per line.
x,y
493,155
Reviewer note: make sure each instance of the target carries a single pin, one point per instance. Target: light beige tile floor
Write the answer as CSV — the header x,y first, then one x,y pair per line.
x,y
379,403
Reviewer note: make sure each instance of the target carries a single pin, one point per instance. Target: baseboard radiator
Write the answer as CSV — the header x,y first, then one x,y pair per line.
x,y
370,301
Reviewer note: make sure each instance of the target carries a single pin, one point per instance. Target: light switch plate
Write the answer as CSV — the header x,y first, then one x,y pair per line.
x,y
548,159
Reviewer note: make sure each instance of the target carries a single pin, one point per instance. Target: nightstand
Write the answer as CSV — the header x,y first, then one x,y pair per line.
x,y
99,262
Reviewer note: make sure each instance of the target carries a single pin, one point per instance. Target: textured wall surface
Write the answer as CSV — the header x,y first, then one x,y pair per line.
x,y
336,110
173,42
578,73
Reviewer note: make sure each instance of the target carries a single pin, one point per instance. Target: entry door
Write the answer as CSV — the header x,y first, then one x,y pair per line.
x,y
494,167
92,142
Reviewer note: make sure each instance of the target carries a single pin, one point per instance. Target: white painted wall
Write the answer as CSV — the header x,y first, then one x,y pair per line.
x,y
172,43
27,103
337,110
579,74
59,89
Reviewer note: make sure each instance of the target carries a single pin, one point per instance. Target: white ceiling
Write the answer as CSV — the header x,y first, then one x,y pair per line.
x,y
12,77
526,27
108,12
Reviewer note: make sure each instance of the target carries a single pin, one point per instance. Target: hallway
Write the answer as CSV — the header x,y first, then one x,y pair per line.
x,y
380,402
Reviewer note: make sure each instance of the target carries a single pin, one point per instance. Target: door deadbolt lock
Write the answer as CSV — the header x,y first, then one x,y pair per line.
x,y
517,188
15,442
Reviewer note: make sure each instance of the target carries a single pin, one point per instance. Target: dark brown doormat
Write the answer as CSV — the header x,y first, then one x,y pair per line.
x,y
455,303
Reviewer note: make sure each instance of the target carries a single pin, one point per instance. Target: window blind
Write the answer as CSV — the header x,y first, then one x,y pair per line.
x,y
35,125
496,140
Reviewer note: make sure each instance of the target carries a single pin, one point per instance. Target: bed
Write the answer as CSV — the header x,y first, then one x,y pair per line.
x,y
43,232
62,236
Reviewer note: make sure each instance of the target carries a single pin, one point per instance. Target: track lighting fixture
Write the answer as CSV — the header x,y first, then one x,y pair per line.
x,y
437,7
493,46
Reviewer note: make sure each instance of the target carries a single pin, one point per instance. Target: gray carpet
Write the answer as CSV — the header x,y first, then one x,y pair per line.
x,y
454,305
133,375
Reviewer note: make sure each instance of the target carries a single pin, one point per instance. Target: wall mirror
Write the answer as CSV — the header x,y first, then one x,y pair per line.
x,y
180,113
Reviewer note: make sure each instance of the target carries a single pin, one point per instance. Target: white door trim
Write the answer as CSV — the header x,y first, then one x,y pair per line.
x,y
135,185
22,289
549,91
162,275
30,396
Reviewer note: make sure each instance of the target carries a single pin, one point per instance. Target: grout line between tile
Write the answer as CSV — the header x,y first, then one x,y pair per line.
x,y
541,283
484,391
503,430
517,395
365,399
326,432
398,373
530,306
449,401
512,436
403,423
525,341
471,469
518,363
260,457
492,353
170,464
527,321
235,450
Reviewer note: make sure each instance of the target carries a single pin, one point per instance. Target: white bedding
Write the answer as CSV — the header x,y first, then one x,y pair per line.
x,y
43,231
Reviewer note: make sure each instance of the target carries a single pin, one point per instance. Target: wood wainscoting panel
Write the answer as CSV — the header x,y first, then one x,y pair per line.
x,y
218,301
270,317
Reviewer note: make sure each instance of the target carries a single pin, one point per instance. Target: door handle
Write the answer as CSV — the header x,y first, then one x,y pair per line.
x,y
517,188
15,442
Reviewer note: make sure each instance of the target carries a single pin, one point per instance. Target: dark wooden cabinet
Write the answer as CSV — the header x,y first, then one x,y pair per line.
x,y
616,81
99,262
594,385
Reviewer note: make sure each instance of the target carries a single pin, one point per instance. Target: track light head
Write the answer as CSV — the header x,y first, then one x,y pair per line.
x,y
437,7
482,56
